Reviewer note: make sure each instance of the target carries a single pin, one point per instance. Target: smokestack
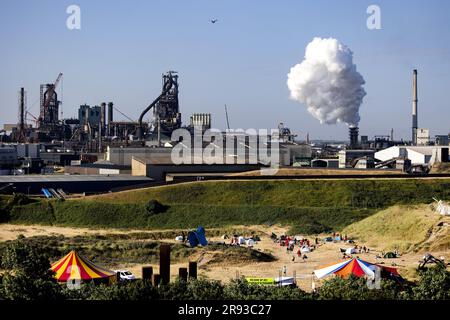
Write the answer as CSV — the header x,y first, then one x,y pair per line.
x,y
354,137
102,118
21,115
414,110
110,117
22,109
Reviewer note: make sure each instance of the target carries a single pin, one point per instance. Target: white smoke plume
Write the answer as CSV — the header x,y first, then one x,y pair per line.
x,y
327,82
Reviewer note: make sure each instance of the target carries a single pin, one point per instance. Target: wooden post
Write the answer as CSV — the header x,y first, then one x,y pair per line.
x,y
156,280
192,270
147,273
183,274
164,263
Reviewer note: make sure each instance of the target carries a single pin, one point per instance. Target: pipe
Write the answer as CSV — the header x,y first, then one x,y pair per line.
x,y
167,86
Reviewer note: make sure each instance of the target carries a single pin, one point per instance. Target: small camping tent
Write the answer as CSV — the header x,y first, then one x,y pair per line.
x,y
197,237
350,251
390,255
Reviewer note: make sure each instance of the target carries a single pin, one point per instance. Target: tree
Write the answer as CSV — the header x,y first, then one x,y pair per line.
x,y
28,275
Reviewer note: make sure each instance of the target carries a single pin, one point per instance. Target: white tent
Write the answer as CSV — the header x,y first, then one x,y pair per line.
x,y
250,242
350,251
284,281
305,249
442,208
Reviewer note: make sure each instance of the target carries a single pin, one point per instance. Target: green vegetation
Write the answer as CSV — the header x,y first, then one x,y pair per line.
x,y
111,215
115,250
363,193
307,206
27,277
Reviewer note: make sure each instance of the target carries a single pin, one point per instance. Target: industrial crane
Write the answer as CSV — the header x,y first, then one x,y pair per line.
x,y
36,120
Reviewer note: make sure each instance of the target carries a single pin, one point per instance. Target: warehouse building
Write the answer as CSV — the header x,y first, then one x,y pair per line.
x,y
417,155
159,168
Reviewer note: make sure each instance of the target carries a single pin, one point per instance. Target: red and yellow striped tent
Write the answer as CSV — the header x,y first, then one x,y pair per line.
x,y
76,267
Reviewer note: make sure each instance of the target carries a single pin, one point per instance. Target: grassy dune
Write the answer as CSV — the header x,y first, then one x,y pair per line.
x,y
404,228
286,193
306,206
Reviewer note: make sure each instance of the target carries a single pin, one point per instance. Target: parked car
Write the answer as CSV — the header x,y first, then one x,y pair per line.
x,y
125,275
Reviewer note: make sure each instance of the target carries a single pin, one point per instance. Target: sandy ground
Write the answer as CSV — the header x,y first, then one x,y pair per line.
x,y
11,231
326,253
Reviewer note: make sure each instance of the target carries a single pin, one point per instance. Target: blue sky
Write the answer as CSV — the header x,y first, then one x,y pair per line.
x,y
242,61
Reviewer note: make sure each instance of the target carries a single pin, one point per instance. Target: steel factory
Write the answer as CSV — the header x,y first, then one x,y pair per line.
x,y
47,151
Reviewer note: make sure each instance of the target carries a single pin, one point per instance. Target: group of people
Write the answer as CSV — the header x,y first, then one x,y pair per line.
x,y
290,243
337,235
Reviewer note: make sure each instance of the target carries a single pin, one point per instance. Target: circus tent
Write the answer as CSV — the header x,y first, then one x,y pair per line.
x,y
76,267
357,267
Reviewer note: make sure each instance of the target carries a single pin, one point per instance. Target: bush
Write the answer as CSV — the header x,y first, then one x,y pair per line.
x,y
19,199
155,207
434,284
239,289
136,290
354,288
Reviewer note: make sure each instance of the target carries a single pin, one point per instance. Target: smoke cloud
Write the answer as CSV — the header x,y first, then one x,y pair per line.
x,y
327,82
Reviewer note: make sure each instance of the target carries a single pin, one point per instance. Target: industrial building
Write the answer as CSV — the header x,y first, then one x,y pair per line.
x,y
78,184
325,163
159,168
442,140
417,155
423,137
361,159
97,168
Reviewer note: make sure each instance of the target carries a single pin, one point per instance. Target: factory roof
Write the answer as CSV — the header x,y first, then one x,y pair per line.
x,y
66,177
165,159
425,150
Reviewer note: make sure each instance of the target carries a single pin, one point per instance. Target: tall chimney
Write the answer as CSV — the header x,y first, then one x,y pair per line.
x,y
110,117
414,109
354,137
103,119
22,115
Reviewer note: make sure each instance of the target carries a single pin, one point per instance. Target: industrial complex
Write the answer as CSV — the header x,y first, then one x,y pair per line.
x,y
48,151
